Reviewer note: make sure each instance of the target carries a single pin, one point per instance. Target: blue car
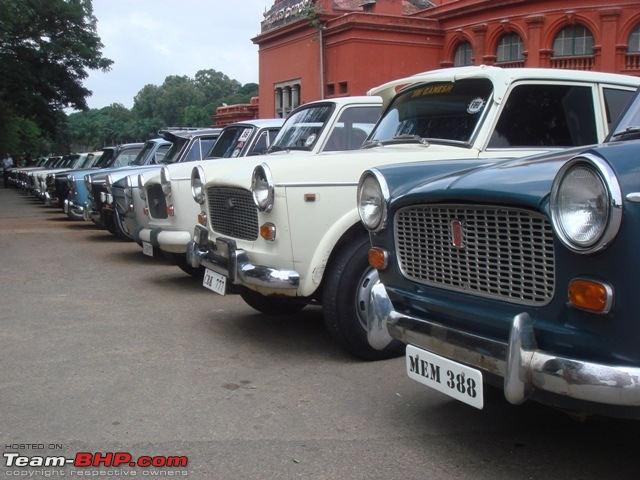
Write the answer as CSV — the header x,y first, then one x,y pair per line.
x,y
515,273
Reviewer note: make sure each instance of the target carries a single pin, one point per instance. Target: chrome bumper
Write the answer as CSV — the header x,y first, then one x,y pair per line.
x,y
232,262
523,366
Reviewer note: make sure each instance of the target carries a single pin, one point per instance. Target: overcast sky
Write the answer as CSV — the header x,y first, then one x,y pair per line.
x,y
149,40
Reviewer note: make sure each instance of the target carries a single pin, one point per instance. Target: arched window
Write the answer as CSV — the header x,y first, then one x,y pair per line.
x,y
464,55
634,40
574,40
510,48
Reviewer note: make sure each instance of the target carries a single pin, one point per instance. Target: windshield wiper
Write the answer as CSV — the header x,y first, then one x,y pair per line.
x,y
627,131
372,144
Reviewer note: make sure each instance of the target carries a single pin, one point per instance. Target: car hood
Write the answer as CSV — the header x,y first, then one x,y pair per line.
x,y
522,182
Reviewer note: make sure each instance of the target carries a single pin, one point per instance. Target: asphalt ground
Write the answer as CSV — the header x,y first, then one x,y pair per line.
x,y
107,351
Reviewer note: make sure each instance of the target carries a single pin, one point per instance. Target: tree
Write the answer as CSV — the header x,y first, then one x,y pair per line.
x,y
46,48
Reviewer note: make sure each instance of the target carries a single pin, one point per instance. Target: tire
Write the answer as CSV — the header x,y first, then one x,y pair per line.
x,y
345,301
75,217
109,223
270,305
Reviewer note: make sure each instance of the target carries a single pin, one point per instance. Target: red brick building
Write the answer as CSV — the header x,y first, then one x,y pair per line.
x,y
313,49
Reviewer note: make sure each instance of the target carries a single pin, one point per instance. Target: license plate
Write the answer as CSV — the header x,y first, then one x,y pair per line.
x,y
214,281
451,378
147,249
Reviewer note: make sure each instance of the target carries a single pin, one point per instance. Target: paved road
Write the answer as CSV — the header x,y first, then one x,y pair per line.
x,y
106,350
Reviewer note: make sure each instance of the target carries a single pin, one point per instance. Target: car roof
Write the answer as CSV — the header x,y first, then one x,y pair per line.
x,y
501,78
259,122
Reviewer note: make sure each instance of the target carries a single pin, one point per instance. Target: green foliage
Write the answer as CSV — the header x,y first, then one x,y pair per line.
x,y
179,102
46,48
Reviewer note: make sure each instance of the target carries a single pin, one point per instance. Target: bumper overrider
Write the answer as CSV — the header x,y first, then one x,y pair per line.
x,y
227,259
527,371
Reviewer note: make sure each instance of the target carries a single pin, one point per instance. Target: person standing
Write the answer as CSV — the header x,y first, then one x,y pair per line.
x,y
7,163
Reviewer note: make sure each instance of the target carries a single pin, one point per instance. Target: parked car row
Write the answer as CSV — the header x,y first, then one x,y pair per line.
x,y
471,219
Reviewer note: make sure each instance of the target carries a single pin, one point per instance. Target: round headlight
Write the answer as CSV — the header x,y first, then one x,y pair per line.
x,y
141,191
373,197
262,188
197,184
586,204
165,181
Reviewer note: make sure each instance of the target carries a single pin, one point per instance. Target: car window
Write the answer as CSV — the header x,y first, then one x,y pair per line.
x,y
126,156
543,115
199,148
161,152
230,142
442,112
352,128
263,142
302,128
615,101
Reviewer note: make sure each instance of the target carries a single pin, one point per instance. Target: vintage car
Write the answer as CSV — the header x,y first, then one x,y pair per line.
x,y
321,126
188,145
76,203
169,204
56,191
69,162
152,153
289,233
516,274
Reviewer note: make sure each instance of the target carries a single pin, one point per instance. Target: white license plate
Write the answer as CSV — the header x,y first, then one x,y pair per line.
x,y
214,281
451,378
147,249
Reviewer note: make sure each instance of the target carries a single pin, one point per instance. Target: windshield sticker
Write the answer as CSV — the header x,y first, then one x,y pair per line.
x,y
475,106
310,139
244,136
433,90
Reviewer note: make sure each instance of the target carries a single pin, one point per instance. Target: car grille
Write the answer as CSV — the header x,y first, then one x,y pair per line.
x,y
233,213
500,253
156,201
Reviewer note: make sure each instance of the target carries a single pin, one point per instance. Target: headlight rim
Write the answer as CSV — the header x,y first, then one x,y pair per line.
x,y
385,197
141,192
266,204
611,186
165,181
198,192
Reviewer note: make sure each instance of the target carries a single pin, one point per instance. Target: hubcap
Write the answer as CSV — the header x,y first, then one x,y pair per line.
x,y
368,280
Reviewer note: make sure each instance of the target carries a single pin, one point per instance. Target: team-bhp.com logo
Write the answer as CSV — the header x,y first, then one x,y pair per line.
x,y
86,459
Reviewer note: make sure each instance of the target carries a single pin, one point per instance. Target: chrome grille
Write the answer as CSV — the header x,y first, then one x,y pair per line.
x,y
156,201
232,212
500,252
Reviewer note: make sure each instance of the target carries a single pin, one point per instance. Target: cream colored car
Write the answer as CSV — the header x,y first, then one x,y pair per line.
x,y
287,233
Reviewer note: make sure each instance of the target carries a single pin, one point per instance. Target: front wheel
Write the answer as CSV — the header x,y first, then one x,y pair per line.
x,y
345,301
270,305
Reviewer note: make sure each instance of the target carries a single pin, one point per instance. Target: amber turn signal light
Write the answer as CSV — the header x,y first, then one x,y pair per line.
x,y
378,258
590,295
268,231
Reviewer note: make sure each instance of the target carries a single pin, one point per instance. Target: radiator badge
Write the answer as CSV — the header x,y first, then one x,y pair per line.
x,y
457,234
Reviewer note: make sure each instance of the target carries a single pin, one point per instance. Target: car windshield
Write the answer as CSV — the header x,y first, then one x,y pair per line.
x,y
105,158
302,129
231,142
173,154
438,112
144,153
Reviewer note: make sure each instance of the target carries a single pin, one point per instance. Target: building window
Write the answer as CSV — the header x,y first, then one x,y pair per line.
x,y
287,97
575,40
331,89
510,49
634,40
464,55
344,89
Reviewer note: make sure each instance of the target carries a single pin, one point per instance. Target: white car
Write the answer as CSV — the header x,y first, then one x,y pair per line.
x,y
288,232
329,125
